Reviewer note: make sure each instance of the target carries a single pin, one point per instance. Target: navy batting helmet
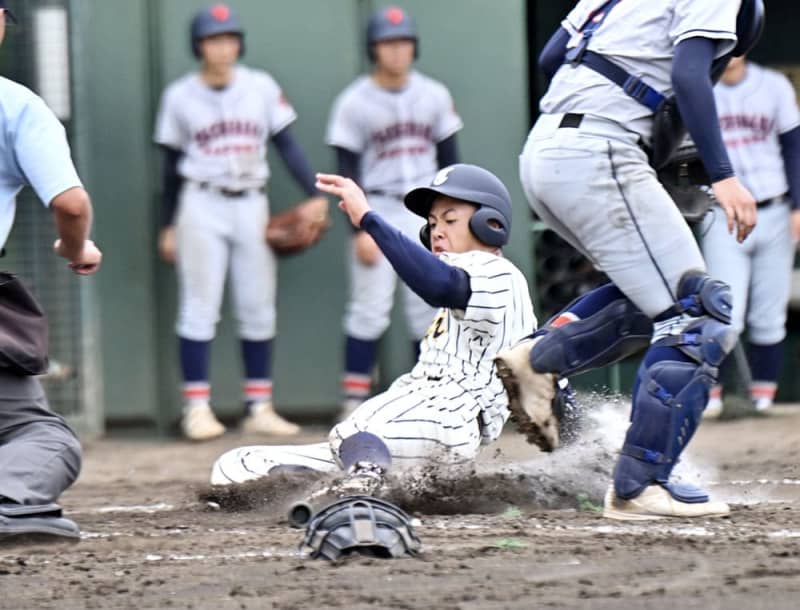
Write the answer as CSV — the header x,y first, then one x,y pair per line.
x,y
216,19
10,18
390,23
472,184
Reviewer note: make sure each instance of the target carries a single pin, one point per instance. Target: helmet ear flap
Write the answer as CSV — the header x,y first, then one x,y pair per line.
x,y
481,227
425,235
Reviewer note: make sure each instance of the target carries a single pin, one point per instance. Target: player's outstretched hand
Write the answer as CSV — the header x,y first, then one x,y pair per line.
x,y
738,204
353,200
86,262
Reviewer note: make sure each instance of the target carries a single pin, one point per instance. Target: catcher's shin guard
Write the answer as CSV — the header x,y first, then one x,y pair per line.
x,y
614,332
669,397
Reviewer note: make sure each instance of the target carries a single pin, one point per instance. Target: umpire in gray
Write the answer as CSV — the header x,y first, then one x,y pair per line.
x,y
40,456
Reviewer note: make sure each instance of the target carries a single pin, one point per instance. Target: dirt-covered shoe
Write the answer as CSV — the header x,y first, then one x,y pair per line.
x,y
262,419
199,423
530,395
655,502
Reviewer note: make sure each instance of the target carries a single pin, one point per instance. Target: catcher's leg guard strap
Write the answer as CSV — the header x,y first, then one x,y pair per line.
x,y
668,401
616,331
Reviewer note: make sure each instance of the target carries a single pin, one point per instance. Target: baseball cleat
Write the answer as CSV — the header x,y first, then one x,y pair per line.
x,y
262,419
531,395
655,502
200,424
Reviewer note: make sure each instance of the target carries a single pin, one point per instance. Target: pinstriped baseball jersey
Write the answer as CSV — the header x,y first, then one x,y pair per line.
x,y
752,114
394,132
223,133
639,36
462,345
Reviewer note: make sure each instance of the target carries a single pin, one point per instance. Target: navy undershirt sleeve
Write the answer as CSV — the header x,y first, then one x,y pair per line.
x,y
691,80
171,184
436,282
552,55
348,163
447,152
296,161
790,151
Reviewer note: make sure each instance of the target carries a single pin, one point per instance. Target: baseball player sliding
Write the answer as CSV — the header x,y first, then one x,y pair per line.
x,y
214,126
615,68
760,123
451,402
391,129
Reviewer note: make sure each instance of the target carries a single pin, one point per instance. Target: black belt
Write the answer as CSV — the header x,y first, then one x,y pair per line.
x,y
382,193
571,119
232,193
768,202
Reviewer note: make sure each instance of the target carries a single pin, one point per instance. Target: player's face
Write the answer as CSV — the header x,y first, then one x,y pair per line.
x,y
394,56
220,51
449,223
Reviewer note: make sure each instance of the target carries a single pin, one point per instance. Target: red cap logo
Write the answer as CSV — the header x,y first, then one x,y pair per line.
x,y
395,15
220,12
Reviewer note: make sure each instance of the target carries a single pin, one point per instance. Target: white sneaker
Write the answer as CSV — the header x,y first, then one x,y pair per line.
x,y
263,419
199,423
655,502
762,404
713,408
530,395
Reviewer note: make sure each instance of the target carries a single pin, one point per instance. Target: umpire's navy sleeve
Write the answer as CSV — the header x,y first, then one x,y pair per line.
x,y
436,282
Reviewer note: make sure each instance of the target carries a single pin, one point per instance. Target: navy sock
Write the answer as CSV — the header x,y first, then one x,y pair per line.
x,y
592,302
360,355
257,358
194,359
765,361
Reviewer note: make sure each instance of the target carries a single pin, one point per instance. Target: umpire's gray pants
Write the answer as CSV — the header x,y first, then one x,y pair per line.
x,y
594,186
40,456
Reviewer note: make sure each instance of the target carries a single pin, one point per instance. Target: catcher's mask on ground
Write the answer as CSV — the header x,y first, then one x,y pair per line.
x,y
360,525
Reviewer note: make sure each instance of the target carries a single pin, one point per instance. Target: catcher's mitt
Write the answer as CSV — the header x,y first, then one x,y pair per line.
x,y
299,227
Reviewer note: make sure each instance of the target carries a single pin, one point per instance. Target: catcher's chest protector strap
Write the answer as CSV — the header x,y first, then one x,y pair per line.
x,y
633,86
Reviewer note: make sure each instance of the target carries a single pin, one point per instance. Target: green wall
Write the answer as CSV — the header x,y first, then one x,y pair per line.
x,y
127,51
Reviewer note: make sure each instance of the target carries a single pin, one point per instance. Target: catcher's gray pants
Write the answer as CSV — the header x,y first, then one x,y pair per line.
x,y
593,185
40,456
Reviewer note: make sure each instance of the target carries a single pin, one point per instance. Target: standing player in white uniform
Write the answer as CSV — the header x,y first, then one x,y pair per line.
x,y
760,123
611,64
40,455
214,126
390,129
451,402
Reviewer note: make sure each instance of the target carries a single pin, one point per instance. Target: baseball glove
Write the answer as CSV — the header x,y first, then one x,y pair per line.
x,y
299,227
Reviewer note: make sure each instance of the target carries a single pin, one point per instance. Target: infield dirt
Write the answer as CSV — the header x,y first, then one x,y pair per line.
x,y
521,530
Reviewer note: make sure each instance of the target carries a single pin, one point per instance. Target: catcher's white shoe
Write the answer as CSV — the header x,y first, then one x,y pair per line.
x,y
263,419
199,423
530,395
655,502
